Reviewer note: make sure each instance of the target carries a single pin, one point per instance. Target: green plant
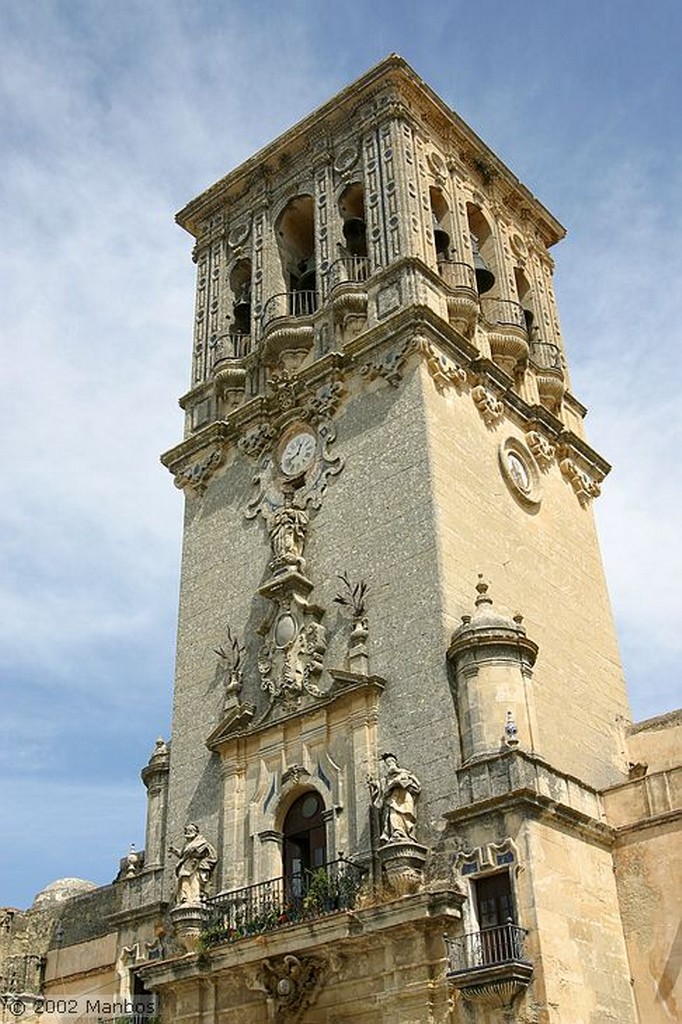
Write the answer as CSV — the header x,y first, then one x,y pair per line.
x,y
322,893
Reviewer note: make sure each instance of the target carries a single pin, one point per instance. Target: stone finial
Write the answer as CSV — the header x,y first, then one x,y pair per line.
x,y
232,661
482,591
510,737
133,862
352,597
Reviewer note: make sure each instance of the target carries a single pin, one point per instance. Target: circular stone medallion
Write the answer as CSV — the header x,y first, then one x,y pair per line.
x,y
520,472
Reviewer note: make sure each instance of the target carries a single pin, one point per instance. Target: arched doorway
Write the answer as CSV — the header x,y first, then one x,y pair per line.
x,y
305,842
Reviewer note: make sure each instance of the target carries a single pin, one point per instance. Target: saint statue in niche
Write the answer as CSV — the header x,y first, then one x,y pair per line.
x,y
196,861
395,798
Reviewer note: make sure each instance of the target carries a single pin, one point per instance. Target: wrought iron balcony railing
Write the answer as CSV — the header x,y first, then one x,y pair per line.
x,y
457,275
293,303
352,269
282,901
545,356
233,345
489,947
504,312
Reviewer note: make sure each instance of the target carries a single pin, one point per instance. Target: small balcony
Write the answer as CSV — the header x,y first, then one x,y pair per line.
x,y
281,901
549,374
347,284
490,966
288,332
228,348
348,270
507,333
462,298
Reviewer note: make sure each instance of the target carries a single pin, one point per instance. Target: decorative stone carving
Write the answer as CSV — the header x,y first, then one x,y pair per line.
x,y
189,920
402,866
443,372
232,662
284,387
541,448
291,658
325,401
490,408
582,483
402,859
395,798
520,472
294,774
199,474
257,440
313,485
196,862
510,736
132,863
352,597
288,527
389,366
291,985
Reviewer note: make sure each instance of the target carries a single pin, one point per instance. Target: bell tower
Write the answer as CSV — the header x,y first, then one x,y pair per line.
x,y
396,658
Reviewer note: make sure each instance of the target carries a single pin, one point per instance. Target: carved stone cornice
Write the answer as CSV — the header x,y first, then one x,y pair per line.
x,y
241,722
315,392
408,98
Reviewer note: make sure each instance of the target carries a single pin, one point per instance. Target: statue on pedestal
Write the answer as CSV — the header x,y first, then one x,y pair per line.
x,y
395,798
196,861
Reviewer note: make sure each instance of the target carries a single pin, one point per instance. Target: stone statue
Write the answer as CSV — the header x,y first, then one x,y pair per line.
x,y
395,798
196,861
288,529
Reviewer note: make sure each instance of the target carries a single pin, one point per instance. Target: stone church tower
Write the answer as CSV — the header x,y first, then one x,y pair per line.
x,y
399,710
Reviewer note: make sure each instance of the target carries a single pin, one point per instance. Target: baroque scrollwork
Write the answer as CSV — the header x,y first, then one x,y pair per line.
x,y
541,448
582,483
389,367
268,483
443,372
257,440
198,475
291,984
291,658
490,408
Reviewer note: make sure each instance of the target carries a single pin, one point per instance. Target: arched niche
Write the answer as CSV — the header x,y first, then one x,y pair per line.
x,y
483,246
526,299
295,233
352,212
240,286
441,222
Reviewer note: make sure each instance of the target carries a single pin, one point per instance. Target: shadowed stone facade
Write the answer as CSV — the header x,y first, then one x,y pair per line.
x,y
399,710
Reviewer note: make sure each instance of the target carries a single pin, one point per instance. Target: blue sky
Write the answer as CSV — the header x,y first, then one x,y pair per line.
x,y
112,117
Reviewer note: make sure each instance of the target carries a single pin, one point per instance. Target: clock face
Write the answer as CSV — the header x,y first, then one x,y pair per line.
x,y
298,453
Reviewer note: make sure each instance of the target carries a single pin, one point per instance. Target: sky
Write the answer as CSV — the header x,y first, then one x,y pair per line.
x,y
113,116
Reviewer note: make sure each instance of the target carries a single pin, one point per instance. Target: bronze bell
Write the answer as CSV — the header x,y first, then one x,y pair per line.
x,y
485,278
242,311
355,233
307,282
528,316
441,238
